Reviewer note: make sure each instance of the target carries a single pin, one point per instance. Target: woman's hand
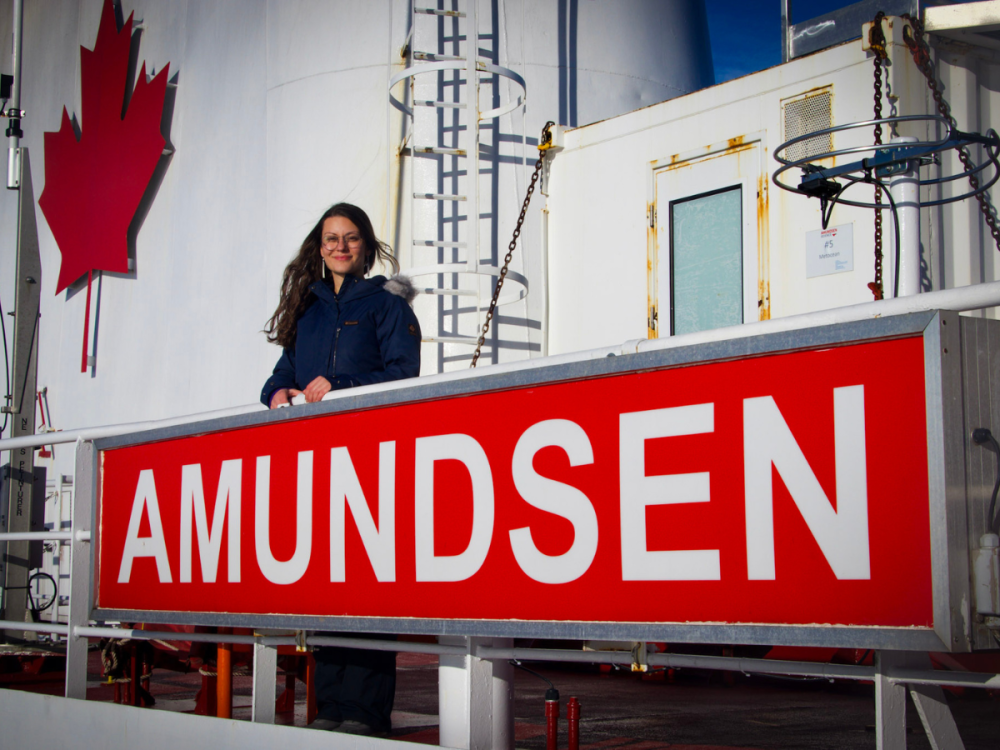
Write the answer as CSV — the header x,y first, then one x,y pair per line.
x,y
283,397
317,389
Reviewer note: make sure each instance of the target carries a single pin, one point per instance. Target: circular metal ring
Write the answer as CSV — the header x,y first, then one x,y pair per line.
x,y
484,270
992,149
859,149
481,65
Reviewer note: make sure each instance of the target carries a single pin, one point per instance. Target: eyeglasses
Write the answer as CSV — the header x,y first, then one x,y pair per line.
x,y
332,241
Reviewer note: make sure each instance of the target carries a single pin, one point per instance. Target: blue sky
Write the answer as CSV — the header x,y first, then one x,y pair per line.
x,y
746,34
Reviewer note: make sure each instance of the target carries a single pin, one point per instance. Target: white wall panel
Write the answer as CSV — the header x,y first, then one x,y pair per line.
x,y
601,186
280,110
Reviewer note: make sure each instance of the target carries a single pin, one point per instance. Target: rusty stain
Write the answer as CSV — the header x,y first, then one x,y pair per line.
x,y
651,256
763,251
805,94
733,146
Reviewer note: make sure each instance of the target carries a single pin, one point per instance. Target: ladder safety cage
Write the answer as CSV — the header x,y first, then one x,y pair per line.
x,y
444,132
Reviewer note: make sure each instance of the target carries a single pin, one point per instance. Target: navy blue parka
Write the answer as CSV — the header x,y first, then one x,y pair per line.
x,y
365,334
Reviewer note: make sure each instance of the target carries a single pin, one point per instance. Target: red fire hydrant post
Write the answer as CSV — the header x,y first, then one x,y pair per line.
x,y
551,719
573,719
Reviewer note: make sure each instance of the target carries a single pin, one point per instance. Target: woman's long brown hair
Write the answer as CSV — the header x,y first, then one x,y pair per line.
x,y
307,267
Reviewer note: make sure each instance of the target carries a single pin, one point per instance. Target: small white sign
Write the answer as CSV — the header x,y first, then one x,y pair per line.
x,y
829,251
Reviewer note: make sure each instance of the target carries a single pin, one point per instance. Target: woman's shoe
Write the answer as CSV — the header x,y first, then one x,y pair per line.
x,y
354,727
328,725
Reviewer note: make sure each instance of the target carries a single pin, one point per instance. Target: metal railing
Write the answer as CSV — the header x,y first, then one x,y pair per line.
x,y
961,299
80,628
666,660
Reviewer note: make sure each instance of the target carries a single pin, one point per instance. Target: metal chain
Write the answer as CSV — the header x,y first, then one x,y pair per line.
x,y
544,145
922,59
876,40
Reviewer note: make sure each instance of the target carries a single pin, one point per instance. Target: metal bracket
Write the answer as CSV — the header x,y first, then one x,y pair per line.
x,y
639,660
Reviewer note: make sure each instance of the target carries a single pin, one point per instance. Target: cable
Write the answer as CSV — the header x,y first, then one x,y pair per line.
x,y
31,599
895,224
826,213
519,665
825,216
6,368
983,437
35,611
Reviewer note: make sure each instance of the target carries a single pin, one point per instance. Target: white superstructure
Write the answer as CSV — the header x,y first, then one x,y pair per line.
x,y
279,110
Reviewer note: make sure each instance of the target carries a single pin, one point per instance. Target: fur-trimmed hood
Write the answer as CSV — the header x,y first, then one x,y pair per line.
x,y
401,286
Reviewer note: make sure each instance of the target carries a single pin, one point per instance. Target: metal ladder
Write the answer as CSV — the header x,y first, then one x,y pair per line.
x,y
445,74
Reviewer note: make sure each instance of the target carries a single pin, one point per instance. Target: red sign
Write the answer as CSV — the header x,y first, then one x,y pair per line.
x,y
771,490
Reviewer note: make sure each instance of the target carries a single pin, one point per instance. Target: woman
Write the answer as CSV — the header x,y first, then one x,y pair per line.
x,y
339,329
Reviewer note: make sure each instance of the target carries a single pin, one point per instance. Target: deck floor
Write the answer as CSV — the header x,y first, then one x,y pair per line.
x,y
685,710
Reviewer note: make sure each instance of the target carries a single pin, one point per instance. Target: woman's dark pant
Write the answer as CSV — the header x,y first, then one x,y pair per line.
x,y
356,684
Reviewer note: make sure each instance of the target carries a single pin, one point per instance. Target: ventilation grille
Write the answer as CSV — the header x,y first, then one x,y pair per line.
x,y
807,115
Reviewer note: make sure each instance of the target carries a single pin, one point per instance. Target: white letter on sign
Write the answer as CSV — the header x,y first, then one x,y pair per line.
x,y
431,567
291,570
155,545
842,534
380,543
639,490
556,498
210,542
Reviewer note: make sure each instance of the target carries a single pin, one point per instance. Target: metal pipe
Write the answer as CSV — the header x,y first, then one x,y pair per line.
x,y
786,22
44,536
404,646
93,433
224,677
762,666
14,123
904,189
551,719
267,640
573,723
35,627
544,277
553,654
750,666
948,679
170,635
974,297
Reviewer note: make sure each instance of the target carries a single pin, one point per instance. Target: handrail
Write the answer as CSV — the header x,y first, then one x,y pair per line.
x,y
35,627
749,666
44,536
93,433
960,299
678,661
136,634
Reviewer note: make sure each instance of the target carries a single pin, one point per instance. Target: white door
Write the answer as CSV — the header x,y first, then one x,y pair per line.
x,y
705,265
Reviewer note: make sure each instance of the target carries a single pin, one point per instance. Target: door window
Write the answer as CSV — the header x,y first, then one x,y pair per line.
x,y
706,255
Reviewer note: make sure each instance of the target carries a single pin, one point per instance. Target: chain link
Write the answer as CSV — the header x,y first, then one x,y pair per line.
x,y
876,41
922,59
544,145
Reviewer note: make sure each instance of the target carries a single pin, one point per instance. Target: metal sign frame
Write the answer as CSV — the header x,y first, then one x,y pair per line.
x,y
946,486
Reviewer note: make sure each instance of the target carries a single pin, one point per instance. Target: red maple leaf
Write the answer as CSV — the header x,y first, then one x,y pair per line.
x,y
93,185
